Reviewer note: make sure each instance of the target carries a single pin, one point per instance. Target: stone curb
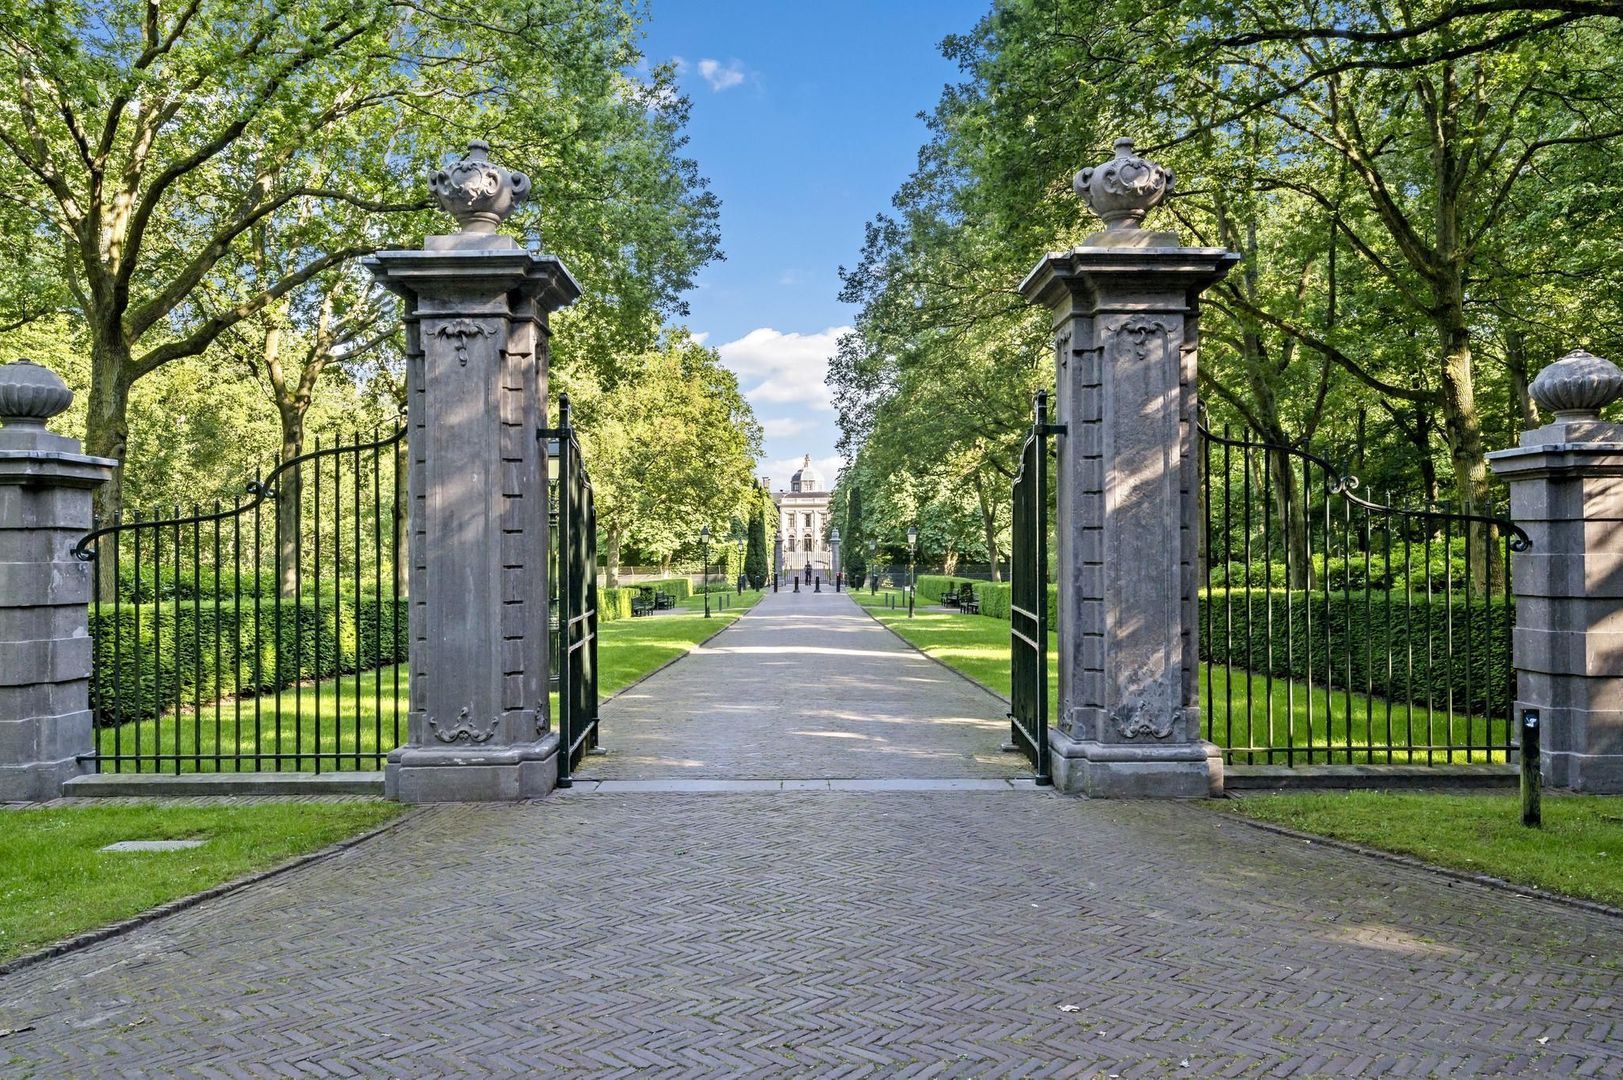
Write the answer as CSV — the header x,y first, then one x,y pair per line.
x,y
1594,907
172,907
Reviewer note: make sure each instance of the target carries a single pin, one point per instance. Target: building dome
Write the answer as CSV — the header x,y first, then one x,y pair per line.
x,y
806,478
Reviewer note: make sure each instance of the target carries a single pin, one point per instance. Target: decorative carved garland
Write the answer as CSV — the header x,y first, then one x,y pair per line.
x,y
465,730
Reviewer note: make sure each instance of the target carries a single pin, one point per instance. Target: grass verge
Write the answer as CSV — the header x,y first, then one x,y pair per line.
x,y
57,882
352,720
1578,852
1246,710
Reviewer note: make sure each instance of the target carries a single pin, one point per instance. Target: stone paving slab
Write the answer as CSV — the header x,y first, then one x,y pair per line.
x,y
838,934
806,685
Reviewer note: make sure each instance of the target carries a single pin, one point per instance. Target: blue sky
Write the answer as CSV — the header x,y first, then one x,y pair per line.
x,y
805,121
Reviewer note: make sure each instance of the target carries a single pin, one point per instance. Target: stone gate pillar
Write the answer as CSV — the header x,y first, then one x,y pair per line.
x,y
1566,492
45,488
476,342
1125,316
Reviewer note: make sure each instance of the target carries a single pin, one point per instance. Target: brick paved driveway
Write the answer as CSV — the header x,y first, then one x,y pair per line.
x,y
1015,933
805,685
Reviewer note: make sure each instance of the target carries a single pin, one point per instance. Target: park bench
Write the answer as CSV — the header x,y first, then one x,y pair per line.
x,y
968,603
644,602
950,597
663,600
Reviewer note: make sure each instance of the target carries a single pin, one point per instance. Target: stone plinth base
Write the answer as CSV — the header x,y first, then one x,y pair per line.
x,y
1599,774
1118,771
417,774
38,781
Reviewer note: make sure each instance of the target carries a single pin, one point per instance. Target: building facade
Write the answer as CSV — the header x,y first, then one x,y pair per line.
x,y
803,523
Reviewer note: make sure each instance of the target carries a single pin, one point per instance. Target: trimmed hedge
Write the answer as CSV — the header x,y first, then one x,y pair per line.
x,y
174,653
613,604
1467,655
680,588
995,596
1434,652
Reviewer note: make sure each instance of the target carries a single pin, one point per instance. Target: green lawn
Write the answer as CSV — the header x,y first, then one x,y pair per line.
x,y
1579,850
57,881
351,729
978,646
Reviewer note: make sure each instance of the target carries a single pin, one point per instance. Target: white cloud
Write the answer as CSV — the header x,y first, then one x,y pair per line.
x,y
775,368
721,76
782,427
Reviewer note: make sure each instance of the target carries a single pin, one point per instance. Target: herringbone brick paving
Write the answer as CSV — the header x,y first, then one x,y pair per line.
x,y
837,933
963,934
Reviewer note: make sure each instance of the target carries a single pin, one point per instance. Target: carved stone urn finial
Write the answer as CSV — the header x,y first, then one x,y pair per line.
x,y
1124,189
1577,386
31,394
477,192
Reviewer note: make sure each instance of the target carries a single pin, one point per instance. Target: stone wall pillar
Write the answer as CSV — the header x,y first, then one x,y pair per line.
x,y
1125,318
45,489
476,342
1566,492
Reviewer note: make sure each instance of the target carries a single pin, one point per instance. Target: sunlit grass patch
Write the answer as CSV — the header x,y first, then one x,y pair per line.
x,y
1578,851
55,881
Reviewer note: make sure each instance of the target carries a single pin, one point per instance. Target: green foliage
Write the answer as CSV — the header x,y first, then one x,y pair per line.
x,y
995,596
1411,569
854,548
614,604
755,566
60,883
206,170
1354,638
1438,653
671,445
149,657
679,588
1405,222
1575,852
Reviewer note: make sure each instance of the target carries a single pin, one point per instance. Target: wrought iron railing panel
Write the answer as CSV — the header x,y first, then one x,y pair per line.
x,y
267,635
1340,630
574,518
1028,599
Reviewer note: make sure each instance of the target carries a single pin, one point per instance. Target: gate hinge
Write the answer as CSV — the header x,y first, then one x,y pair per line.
x,y
1052,429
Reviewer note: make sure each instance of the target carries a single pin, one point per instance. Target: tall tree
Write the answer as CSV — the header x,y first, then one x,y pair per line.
x,y
154,138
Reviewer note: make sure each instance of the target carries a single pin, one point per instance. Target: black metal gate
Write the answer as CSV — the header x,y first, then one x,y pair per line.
x,y
267,635
1339,630
1028,600
574,522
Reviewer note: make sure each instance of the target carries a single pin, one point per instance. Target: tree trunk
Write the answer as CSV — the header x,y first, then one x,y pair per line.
x,y
611,560
1526,411
107,433
1290,506
989,525
289,495
1463,426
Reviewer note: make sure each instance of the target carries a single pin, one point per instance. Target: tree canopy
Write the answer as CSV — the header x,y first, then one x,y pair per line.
x,y
1424,200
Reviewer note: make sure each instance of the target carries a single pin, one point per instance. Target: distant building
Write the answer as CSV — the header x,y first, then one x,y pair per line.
x,y
802,522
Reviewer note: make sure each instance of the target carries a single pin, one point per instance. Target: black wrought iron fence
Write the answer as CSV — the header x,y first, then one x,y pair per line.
x,y
1340,630
574,647
265,635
